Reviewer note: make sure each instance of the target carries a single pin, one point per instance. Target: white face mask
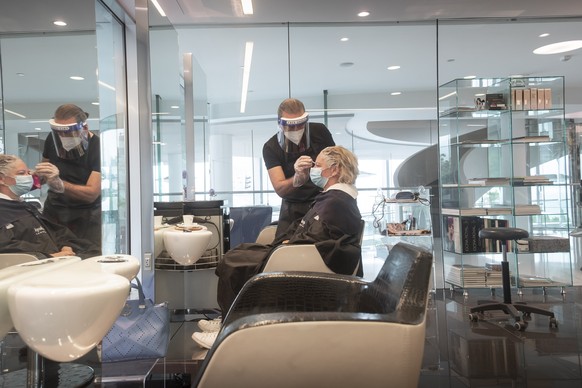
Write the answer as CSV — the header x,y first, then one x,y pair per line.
x,y
70,142
294,136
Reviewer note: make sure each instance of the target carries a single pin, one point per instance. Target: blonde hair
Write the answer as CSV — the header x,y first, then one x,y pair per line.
x,y
7,163
345,160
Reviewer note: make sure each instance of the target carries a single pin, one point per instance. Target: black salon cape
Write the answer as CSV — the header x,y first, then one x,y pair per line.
x,y
333,224
23,229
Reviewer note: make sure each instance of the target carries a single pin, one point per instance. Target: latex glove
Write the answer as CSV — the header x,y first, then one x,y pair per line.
x,y
303,164
46,171
49,174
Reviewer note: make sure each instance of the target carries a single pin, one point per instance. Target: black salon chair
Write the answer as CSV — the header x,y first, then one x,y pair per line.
x,y
310,329
517,311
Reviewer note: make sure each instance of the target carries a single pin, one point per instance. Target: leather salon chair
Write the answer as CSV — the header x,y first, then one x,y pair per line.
x,y
302,257
267,235
307,329
10,259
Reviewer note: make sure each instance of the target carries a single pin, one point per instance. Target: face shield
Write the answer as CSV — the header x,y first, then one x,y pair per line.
x,y
294,133
71,141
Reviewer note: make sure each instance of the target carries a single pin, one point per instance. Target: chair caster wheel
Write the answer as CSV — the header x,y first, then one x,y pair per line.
x,y
521,326
553,323
474,317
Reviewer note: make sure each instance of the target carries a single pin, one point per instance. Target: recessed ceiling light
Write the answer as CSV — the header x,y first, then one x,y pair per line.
x,y
395,93
59,23
395,67
20,74
544,35
175,107
479,94
560,47
76,78
470,77
346,64
247,7
363,14
344,39
37,129
94,103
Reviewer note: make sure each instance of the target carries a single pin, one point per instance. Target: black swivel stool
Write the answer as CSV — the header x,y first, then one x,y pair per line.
x,y
517,311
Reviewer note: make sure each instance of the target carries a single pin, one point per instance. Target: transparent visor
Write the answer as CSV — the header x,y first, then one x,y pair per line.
x,y
71,141
294,132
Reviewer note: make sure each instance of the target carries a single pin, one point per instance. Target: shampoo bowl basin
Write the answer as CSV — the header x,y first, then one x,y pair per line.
x,y
186,245
124,265
63,314
17,273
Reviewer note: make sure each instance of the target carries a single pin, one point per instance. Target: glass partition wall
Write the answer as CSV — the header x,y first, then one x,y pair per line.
x,y
341,72
35,82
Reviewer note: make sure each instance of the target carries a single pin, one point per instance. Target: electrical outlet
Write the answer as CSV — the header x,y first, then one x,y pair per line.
x,y
147,261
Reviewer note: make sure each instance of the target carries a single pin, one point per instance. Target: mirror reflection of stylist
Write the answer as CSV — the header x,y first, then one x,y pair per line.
x,y
72,169
288,157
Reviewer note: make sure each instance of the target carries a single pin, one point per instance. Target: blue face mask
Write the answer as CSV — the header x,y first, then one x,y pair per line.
x,y
23,184
316,178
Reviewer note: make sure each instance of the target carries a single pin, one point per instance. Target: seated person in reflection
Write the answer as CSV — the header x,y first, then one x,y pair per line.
x,y
332,224
23,228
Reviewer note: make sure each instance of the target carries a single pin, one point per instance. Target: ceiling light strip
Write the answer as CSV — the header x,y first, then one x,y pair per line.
x,y
247,6
246,75
159,8
14,113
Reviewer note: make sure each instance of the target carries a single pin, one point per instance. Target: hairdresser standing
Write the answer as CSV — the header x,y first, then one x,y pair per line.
x,y
72,169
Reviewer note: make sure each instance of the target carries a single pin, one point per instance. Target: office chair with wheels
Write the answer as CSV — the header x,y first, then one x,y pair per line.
x,y
517,311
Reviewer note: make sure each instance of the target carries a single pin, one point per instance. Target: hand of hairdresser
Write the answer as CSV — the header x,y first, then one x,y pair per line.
x,y
302,166
49,173
65,251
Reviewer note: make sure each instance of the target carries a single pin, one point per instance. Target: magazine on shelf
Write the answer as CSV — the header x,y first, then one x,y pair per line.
x,y
476,211
531,139
521,210
500,181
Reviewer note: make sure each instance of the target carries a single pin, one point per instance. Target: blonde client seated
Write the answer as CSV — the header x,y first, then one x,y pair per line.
x,y
23,228
332,225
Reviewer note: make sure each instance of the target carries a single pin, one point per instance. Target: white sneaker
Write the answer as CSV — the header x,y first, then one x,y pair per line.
x,y
210,325
205,339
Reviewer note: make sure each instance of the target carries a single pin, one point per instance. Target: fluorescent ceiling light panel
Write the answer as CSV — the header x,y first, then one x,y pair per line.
x,y
560,47
106,85
447,96
14,113
247,6
159,8
246,75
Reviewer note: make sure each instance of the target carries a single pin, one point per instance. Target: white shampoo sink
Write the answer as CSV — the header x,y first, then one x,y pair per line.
x,y
186,244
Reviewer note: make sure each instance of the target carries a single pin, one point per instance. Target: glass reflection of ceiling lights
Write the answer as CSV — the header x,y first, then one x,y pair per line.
x,y
560,47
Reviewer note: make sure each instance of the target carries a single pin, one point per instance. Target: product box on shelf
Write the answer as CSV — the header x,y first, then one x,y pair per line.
x,y
526,99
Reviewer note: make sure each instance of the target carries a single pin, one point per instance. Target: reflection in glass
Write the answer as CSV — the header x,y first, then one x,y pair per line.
x,y
112,111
